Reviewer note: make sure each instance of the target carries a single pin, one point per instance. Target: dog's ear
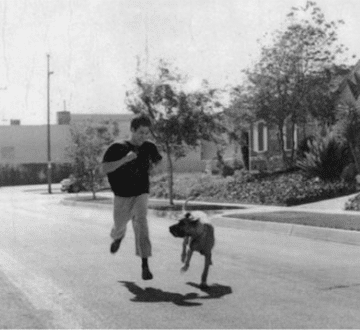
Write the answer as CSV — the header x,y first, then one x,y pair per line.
x,y
187,215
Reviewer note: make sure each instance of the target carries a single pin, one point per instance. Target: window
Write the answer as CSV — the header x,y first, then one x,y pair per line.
x,y
260,137
289,137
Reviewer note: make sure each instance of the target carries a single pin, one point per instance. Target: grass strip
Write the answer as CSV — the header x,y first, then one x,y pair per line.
x,y
337,221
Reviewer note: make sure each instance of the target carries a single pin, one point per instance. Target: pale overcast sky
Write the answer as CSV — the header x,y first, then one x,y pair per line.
x,y
93,46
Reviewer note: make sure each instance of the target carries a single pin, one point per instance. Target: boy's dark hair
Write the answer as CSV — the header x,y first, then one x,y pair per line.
x,y
140,120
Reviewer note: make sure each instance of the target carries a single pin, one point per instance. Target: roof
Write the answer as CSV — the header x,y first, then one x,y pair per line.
x,y
348,77
76,117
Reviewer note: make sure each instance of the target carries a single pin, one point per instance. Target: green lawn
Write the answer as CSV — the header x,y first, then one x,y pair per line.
x,y
338,221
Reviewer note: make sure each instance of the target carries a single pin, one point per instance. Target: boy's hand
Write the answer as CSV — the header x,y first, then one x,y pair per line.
x,y
130,156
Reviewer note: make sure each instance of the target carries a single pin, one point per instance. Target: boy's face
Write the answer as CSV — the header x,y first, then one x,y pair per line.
x,y
140,135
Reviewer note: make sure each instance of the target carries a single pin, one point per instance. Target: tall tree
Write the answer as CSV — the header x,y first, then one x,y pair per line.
x,y
181,117
85,151
292,79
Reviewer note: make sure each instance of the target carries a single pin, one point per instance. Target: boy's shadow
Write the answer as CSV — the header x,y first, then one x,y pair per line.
x,y
158,295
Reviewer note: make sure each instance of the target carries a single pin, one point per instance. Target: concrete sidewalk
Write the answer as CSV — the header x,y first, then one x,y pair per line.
x,y
333,205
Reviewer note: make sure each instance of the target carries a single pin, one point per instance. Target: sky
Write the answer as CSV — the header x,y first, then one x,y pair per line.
x,y
93,46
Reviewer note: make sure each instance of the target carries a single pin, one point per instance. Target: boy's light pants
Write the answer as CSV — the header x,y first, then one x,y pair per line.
x,y
135,208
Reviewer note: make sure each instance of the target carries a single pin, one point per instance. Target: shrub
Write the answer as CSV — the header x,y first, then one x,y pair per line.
x,y
348,125
237,165
349,173
303,147
353,204
244,176
159,186
314,190
224,168
292,189
326,158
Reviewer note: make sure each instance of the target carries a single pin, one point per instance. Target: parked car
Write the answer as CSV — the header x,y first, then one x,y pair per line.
x,y
71,185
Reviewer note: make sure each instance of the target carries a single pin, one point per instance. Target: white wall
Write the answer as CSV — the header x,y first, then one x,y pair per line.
x,y
28,144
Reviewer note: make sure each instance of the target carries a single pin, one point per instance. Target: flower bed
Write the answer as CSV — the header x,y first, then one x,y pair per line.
x,y
283,189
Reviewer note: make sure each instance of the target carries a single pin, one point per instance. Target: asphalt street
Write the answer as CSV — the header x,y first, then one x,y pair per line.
x,y
56,272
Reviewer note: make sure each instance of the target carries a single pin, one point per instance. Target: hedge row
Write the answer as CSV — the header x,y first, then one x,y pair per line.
x,y
24,174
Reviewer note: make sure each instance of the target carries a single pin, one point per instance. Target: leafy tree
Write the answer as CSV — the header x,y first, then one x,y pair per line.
x,y
181,117
88,141
292,79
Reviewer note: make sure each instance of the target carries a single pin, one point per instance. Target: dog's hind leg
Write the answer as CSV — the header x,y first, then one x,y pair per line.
x,y
206,270
187,261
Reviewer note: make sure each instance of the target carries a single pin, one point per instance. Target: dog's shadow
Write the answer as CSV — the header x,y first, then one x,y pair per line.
x,y
214,291
157,295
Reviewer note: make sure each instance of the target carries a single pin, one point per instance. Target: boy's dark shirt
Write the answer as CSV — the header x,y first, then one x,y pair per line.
x,y
132,178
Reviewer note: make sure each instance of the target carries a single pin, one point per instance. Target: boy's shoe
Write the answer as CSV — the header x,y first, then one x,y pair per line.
x,y
115,245
146,274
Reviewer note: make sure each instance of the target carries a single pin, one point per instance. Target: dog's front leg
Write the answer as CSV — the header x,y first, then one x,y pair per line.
x,y
185,244
187,261
206,271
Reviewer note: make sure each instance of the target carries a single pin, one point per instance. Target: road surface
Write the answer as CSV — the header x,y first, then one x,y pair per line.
x,y
56,272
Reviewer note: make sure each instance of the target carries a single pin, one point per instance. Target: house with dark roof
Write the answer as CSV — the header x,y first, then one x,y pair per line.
x,y
261,141
348,90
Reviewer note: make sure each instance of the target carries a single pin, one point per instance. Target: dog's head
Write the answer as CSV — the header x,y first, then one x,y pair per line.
x,y
186,226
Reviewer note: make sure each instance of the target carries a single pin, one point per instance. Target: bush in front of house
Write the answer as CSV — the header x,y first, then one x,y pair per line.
x,y
304,147
315,190
159,185
353,204
349,173
325,157
286,188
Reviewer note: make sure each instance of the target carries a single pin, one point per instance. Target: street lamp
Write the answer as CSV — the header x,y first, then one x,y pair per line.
x,y
48,125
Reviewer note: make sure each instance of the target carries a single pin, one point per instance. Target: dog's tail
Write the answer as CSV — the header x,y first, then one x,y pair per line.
x,y
199,215
187,201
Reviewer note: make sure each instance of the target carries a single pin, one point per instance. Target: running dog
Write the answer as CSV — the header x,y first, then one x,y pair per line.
x,y
198,236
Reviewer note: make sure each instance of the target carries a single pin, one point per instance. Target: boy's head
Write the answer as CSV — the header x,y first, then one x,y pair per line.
x,y
140,120
140,129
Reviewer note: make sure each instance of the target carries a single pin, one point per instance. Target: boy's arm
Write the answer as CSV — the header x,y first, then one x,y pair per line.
x,y
108,167
156,160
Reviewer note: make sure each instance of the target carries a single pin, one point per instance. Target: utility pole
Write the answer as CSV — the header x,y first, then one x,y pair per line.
x,y
48,125
251,132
